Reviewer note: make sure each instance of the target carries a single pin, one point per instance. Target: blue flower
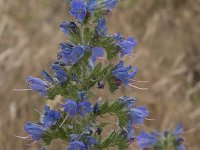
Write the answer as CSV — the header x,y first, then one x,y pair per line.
x,y
138,115
78,9
129,101
130,133
74,137
84,108
177,133
70,54
181,147
50,117
96,53
70,107
124,74
96,108
77,145
65,54
66,47
146,140
82,96
178,130
46,76
68,27
118,37
77,53
91,5
90,142
101,27
36,131
110,3
43,148
127,46
60,73
38,85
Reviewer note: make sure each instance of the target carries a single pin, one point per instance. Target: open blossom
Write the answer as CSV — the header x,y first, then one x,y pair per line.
x,y
110,3
38,85
124,74
36,131
71,54
177,133
84,108
91,5
181,147
46,76
68,27
73,108
146,140
77,53
70,107
77,145
129,101
60,73
155,139
78,9
50,117
138,115
127,46
101,27
178,130
64,54
97,52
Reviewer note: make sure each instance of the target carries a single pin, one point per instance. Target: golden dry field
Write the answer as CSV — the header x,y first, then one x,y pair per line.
x,y
168,55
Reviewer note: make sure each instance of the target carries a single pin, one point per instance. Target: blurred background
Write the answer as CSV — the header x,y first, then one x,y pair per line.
x,y
168,55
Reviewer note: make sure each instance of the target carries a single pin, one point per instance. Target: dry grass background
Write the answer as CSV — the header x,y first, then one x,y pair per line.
x,y
168,54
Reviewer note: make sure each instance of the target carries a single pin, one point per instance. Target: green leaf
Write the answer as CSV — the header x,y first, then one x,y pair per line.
x,y
67,90
116,108
55,133
109,44
114,139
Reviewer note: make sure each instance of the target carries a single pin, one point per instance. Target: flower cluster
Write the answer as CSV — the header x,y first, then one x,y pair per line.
x,y
49,118
80,67
156,139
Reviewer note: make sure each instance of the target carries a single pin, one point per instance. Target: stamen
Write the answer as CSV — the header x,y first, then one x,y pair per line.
x,y
100,99
103,59
132,55
63,121
19,90
60,102
139,88
139,81
150,119
22,137
38,111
